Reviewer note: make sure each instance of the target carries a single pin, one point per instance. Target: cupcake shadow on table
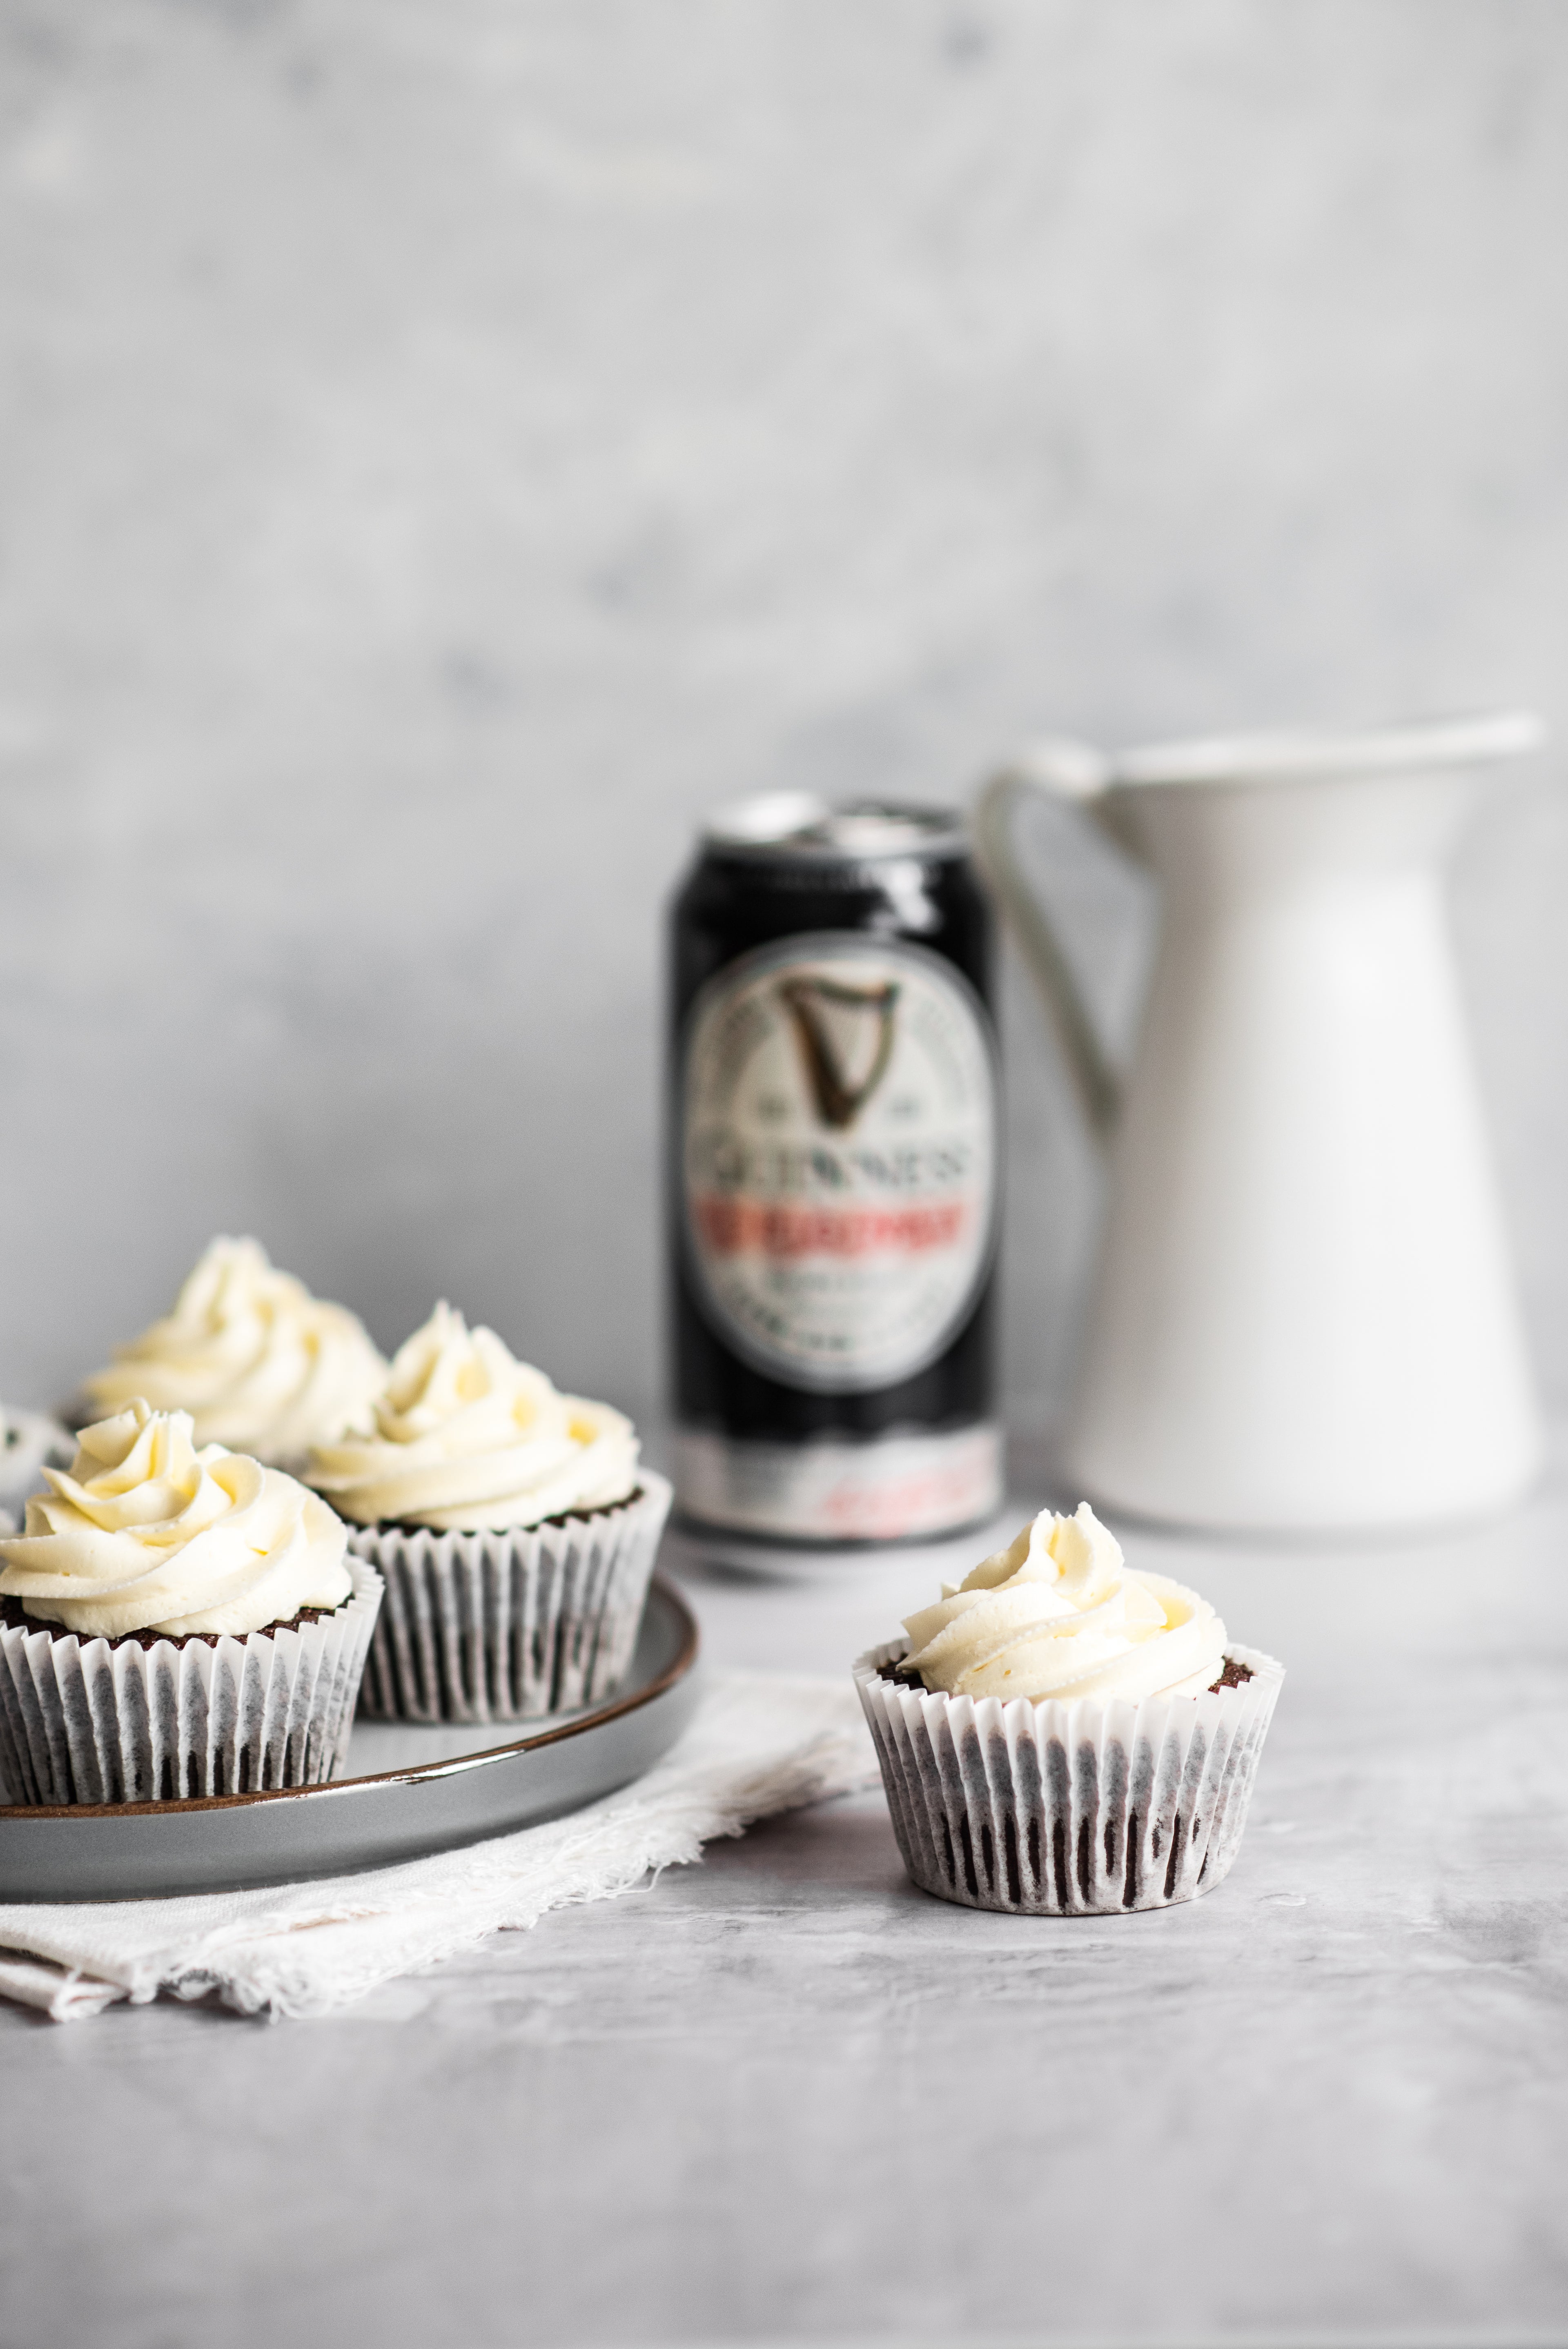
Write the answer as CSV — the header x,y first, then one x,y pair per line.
x,y
511,1525
1062,1735
175,1622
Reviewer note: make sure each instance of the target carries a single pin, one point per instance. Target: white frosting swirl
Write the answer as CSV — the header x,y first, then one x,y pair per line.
x,y
469,1440
1058,1614
146,1533
260,1364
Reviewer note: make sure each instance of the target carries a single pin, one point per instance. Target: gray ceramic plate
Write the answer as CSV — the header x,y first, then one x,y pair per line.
x,y
432,1789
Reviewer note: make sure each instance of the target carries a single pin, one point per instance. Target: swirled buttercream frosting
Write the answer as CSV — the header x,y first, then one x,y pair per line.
x,y
1058,1613
260,1365
469,1440
148,1532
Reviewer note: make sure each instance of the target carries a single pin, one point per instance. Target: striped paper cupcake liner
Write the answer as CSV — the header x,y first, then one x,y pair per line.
x,y
1062,1808
508,1626
102,1721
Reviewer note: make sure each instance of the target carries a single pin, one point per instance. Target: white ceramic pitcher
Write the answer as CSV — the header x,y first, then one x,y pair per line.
x,y
1305,1317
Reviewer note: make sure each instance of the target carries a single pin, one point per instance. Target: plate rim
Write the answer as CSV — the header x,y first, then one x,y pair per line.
x,y
411,1773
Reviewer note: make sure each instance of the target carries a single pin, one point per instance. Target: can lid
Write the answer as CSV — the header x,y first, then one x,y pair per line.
x,y
798,825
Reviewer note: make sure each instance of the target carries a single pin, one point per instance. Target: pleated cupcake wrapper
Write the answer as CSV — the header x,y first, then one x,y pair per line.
x,y
91,1720
507,1625
1068,1808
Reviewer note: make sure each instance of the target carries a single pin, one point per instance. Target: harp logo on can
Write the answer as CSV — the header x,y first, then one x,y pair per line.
x,y
839,1158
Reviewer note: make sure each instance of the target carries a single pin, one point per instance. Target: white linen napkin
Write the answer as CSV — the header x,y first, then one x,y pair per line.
x,y
760,1742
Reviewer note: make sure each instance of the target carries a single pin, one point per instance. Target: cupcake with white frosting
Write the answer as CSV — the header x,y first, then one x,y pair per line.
x,y
514,1527
261,1366
175,1620
1060,1735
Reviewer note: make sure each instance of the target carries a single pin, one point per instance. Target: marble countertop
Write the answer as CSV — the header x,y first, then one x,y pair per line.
x,y
783,2095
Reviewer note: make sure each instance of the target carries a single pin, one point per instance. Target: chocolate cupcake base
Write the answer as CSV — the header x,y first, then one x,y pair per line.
x,y
1068,1808
135,1720
509,1626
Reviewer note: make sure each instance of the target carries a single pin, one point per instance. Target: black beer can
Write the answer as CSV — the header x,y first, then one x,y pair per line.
x,y
834,1176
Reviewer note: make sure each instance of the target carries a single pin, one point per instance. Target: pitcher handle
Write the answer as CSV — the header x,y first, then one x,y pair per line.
x,y
1077,772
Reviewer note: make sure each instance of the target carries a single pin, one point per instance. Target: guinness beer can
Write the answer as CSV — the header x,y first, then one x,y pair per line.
x,y
834,1176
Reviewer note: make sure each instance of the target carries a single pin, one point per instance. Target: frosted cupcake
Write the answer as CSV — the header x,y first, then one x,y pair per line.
x,y
175,1621
260,1365
1060,1734
512,1526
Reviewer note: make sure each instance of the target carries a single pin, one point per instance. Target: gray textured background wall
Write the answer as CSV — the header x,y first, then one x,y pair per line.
x,y
447,443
